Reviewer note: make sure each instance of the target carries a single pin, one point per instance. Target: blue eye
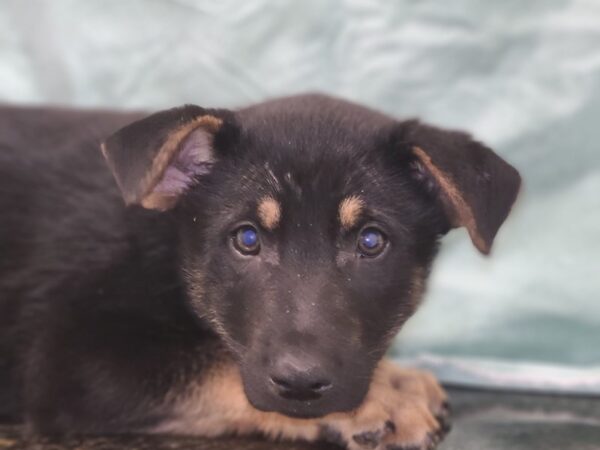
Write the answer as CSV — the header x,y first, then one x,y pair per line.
x,y
371,242
249,237
246,240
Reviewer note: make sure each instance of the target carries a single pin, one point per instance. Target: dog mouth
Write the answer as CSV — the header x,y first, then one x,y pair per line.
x,y
304,409
312,399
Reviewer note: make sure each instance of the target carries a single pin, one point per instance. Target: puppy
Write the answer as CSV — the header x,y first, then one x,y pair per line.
x,y
265,260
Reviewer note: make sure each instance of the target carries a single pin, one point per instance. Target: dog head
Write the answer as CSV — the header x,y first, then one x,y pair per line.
x,y
307,228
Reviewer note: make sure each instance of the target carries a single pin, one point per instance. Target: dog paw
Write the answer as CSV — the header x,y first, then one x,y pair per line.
x,y
405,409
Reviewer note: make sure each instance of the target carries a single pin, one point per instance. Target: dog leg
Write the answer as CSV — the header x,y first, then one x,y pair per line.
x,y
404,409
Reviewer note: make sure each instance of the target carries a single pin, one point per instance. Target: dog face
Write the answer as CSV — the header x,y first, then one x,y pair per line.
x,y
307,228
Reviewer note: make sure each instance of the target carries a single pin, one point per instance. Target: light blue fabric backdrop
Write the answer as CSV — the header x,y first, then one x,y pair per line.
x,y
522,76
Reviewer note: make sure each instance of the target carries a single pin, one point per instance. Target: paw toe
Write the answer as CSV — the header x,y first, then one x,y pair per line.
x,y
443,418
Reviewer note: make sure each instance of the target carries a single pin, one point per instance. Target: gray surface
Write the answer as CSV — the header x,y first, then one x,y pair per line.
x,y
481,421
495,421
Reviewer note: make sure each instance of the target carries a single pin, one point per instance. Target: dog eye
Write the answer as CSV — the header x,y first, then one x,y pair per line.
x,y
371,242
245,240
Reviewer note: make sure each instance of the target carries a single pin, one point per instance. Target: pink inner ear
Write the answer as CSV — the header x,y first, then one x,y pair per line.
x,y
194,159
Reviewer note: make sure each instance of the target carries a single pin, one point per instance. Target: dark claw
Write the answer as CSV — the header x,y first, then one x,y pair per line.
x,y
431,441
445,409
332,436
443,418
390,427
445,427
445,424
368,439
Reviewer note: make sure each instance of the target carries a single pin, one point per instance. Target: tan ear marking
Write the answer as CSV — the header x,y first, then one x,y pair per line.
x,y
349,211
104,152
158,201
458,210
166,154
269,213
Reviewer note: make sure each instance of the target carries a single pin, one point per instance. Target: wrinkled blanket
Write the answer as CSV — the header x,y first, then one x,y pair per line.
x,y
522,76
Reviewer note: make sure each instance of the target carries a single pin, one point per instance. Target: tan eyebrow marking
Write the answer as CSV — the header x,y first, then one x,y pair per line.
x,y
349,211
269,212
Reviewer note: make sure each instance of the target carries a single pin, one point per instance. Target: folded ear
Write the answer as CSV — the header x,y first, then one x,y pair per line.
x,y
156,159
475,186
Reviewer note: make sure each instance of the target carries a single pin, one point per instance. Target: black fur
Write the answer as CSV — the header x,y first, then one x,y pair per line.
x,y
104,308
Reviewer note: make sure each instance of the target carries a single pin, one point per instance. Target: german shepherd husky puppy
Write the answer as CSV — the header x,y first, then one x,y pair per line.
x,y
264,261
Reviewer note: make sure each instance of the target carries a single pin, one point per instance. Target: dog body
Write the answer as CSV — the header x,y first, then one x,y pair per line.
x,y
254,283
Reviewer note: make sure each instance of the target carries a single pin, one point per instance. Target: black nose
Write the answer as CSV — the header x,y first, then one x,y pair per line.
x,y
298,379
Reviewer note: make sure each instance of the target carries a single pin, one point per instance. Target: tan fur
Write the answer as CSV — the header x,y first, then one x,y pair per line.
x,y
269,213
159,201
217,405
415,296
457,209
349,211
104,151
7,443
164,157
417,286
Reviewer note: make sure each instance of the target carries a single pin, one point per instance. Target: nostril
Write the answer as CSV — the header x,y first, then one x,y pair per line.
x,y
281,383
320,386
299,388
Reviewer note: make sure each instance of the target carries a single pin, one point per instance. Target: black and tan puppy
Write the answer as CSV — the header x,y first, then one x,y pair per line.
x,y
266,259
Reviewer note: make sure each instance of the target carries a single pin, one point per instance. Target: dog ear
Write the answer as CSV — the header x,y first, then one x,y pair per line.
x,y
158,158
475,186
